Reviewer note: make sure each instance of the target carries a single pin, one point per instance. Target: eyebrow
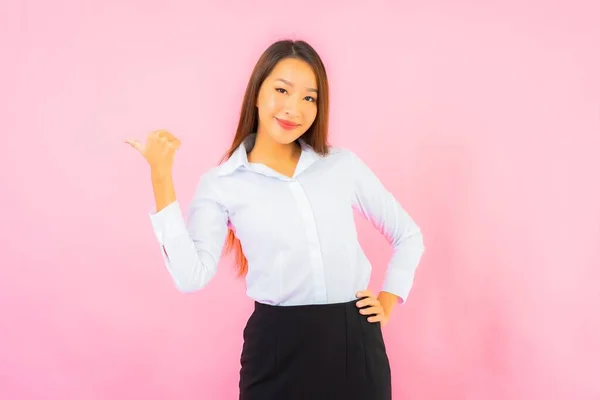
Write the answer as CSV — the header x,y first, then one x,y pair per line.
x,y
292,85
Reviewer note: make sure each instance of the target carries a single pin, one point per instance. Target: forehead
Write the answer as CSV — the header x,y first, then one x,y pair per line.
x,y
296,71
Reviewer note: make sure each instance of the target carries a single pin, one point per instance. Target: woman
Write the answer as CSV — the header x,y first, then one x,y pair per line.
x,y
283,200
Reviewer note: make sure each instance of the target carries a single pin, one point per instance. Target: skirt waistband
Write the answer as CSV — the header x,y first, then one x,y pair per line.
x,y
304,307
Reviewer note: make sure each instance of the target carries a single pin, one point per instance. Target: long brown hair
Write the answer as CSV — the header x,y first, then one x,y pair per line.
x,y
315,136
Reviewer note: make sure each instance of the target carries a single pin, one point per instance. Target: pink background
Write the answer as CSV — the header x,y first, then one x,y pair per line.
x,y
482,118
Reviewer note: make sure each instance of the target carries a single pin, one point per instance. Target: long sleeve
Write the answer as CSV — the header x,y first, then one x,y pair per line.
x,y
192,247
386,214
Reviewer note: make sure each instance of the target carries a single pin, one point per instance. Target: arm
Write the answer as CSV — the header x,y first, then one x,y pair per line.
x,y
191,248
163,188
385,213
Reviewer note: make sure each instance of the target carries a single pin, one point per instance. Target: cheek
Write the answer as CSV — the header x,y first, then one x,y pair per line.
x,y
270,104
310,113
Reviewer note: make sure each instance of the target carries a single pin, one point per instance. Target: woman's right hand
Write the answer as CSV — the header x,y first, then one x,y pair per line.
x,y
159,150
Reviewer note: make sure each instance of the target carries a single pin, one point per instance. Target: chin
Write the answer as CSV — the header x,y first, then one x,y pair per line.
x,y
283,136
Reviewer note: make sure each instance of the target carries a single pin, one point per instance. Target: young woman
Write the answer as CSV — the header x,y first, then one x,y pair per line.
x,y
282,199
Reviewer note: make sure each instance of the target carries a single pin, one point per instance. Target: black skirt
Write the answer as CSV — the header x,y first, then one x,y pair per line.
x,y
313,352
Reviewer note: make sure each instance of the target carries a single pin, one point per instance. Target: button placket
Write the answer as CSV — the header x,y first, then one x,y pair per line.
x,y
314,244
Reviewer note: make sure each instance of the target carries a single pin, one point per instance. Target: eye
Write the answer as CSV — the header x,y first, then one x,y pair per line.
x,y
281,90
310,99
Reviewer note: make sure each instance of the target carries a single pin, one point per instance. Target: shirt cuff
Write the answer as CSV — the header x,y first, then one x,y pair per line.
x,y
168,222
398,282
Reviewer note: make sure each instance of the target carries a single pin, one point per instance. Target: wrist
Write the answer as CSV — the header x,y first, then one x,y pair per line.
x,y
387,301
159,174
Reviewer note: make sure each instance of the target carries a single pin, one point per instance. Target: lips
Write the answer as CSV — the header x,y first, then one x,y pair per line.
x,y
285,124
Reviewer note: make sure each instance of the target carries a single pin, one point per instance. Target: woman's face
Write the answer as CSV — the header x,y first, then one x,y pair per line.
x,y
287,101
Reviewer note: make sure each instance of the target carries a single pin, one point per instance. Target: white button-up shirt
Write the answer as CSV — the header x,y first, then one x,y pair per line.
x,y
298,234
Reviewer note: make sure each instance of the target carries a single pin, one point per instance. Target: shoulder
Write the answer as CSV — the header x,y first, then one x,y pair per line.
x,y
208,183
339,153
344,155
352,164
210,176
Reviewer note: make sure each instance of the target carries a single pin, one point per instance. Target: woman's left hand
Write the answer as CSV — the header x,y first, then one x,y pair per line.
x,y
374,309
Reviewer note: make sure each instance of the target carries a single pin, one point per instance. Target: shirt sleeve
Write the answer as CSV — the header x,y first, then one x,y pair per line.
x,y
386,214
192,247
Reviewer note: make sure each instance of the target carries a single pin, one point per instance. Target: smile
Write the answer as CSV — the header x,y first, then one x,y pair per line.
x,y
286,124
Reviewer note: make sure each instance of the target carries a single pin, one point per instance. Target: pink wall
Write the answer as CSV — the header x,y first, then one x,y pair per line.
x,y
483,119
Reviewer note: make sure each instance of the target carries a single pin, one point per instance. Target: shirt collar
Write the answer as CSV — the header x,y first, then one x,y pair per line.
x,y
239,158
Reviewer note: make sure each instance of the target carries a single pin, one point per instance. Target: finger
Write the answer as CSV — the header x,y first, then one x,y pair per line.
x,y
136,144
174,144
376,318
371,311
156,134
163,133
364,295
369,301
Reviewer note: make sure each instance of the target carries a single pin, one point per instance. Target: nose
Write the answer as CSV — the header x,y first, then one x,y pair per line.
x,y
290,107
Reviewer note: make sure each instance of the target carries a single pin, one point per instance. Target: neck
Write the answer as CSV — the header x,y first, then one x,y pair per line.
x,y
267,150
